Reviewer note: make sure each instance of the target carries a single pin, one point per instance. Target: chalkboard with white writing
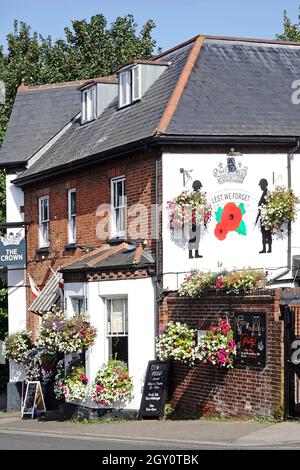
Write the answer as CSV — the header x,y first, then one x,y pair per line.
x,y
34,399
155,390
251,337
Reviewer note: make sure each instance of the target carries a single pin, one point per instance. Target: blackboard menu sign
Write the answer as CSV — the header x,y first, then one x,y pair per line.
x,y
251,337
155,390
34,399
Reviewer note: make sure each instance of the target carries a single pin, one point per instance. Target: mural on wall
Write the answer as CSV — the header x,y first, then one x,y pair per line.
x,y
228,232
265,233
195,228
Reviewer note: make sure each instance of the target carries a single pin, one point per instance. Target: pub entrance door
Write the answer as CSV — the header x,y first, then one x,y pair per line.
x,y
292,360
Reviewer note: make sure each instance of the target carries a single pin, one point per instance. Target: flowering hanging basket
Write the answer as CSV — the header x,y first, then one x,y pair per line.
x,y
190,207
217,347
17,345
177,342
65,335
280,208
112,386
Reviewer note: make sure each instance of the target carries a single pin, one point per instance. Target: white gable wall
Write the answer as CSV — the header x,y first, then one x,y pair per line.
x,y
237,250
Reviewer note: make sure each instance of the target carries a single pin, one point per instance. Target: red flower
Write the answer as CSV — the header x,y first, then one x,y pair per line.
x,y
221,231
231,216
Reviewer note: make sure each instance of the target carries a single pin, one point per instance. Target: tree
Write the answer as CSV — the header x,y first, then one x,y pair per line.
x,y
291,32
90,49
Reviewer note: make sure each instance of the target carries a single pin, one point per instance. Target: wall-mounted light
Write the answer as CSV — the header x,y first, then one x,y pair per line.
x,y
186,174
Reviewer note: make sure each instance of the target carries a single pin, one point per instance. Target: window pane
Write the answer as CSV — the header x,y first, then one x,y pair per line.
x,y
73,202
44,209
118,348
117,317
124,93
136,83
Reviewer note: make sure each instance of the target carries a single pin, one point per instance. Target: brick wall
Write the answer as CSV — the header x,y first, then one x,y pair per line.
x,y
203,390
92,189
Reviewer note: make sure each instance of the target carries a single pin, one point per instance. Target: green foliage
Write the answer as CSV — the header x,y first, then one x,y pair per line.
x,y
291,32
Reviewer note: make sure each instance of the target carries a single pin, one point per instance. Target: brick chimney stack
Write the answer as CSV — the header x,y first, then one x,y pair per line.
x,y
22,87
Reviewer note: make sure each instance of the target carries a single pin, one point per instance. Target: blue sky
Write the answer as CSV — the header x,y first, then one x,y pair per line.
x,y
176,20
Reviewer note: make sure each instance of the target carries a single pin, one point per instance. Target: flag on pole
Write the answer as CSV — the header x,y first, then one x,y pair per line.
x,y
34,288
62,292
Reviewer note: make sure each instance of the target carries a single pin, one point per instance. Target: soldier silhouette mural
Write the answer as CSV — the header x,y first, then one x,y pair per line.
x,y
195,229
265,232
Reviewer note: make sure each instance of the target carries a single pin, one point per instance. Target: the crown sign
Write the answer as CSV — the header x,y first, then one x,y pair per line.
x,y
231,173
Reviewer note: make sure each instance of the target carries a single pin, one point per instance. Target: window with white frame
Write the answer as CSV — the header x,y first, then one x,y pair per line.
x,y
78,305
118,207
129,85
117,328
72,215
88,102
44,221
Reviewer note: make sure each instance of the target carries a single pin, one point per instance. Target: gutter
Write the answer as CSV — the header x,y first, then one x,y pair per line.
x,y
290,156
154,140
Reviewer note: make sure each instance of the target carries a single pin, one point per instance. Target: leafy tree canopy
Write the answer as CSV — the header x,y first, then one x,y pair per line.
x,y
291,32
89,49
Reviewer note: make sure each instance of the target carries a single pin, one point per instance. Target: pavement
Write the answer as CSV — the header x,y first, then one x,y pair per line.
x,y
16,433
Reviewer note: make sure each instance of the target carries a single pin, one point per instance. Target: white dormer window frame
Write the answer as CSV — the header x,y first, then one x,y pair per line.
x,y
88,104
130,89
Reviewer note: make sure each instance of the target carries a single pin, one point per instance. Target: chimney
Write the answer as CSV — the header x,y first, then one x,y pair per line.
x,y
22,87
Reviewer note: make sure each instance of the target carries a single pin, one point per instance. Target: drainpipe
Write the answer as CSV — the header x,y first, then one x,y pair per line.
x,y
157,157
289,248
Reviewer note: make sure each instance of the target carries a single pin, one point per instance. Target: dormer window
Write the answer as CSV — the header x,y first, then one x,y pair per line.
x,y
88,104
129,85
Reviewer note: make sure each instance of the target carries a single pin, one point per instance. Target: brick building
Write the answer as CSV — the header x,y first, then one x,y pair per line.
x,y
91,166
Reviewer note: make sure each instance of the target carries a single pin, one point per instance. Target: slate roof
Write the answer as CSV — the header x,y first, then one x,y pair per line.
x,y
232,88
38,114
112,257
116,127
240,89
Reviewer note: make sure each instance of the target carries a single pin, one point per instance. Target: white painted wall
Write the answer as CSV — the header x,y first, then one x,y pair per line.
x,y
15,278
236,251
141,326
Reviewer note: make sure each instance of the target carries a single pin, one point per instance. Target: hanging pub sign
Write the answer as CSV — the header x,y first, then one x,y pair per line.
x,y
12,250
155,390
251,337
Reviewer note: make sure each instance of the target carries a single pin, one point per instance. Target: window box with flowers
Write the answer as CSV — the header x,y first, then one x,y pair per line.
x,y
279,209
232,283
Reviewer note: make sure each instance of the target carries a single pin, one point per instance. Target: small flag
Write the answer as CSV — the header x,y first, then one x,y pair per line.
x,y
34,288
61,288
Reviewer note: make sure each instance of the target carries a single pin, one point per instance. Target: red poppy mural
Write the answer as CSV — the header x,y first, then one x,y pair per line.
x,y
230,219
